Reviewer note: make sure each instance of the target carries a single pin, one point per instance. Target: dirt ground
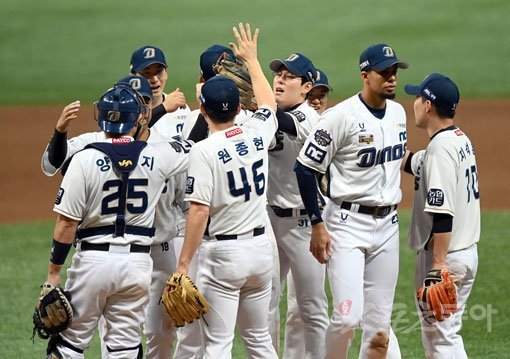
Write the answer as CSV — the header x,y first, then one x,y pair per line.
x,y
26,194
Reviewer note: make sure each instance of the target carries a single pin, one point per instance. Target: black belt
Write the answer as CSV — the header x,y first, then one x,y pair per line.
x,y
228,237
96,231
105,247
377,212
288,212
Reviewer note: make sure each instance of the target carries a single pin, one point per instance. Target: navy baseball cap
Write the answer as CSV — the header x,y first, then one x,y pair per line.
x,y
220,94
298,64
379,57
209,58
140,84
146,56
321,80
439,89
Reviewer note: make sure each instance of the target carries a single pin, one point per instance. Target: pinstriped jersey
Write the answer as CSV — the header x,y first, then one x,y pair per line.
x,y
283,189
228,173
359,153
446,181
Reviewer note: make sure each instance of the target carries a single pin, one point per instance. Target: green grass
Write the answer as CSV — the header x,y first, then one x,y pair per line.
x,y
24,258
57,51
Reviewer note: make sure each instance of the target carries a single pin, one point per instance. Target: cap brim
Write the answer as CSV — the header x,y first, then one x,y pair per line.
x,y
412,89
390,62
276,64
147,64
323,85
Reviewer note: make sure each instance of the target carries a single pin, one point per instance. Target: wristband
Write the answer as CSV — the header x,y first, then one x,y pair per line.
x,y
59,252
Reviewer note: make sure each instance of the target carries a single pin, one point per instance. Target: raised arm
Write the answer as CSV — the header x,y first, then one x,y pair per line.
x,y
246,50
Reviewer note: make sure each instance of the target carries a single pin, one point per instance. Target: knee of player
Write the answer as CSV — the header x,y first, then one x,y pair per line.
x,y
347,321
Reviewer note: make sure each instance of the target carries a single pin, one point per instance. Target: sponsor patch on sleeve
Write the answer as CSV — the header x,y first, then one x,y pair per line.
x,y
322,137
435,197
299,115
262,114
60,194
190,184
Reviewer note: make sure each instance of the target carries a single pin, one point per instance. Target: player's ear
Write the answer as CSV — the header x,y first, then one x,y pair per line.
x,y
238,109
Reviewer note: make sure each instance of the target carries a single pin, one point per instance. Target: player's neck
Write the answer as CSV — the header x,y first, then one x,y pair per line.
x,y
373,100
215,127
435,125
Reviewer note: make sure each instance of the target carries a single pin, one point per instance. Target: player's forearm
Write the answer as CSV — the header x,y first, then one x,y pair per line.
x,y
57,148
307,184
196,223
63,236
261,87
440,249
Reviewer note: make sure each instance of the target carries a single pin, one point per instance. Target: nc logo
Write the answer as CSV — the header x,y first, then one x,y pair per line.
x,y
125,163
388,51
149,53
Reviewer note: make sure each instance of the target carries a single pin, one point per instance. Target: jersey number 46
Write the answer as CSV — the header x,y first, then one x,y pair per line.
x,y
259,182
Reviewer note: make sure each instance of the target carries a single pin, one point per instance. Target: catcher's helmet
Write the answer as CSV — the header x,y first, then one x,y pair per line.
x,y
119,108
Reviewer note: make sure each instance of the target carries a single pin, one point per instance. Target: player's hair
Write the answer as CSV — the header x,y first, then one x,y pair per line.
x,y
221,117
441,112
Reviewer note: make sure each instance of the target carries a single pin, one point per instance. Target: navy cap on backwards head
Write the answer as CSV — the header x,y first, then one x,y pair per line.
x,y
220,94
439,89
321,80
379,57
140,84
146,56
298,64
209,57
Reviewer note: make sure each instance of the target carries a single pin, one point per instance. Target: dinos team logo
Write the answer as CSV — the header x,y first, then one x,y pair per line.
x,y
388,51
149,53
113,116
322,137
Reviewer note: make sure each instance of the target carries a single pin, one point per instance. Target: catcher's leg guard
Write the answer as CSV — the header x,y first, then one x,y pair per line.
x,y
139,347
52,351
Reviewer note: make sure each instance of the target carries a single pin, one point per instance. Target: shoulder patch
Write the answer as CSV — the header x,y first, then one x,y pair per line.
x,y
322,137
435,197
60,194
190,184
262,114
299,115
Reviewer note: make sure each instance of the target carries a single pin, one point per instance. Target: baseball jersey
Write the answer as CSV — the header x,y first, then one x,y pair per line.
x,y
172,124
446,181
359,153
228,172
89,192
283,190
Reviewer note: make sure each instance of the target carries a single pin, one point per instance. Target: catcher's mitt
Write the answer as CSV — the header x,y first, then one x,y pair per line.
x,y
53,313
233,68
183,301
438,296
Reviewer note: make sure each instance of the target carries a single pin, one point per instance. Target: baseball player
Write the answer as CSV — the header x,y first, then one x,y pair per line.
x,y
158,329
356,150
294,346
445,224
226,188
293,80
107,201
170,111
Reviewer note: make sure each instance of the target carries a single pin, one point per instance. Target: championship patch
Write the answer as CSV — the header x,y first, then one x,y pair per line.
x,y
190,184
60,194
322,137
299,115
435,197
368,139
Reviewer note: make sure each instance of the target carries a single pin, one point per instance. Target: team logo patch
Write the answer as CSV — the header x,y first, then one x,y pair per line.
x,y
345,307
368,139
299,115
262,114
435,197
190,184
322,137
176,146
60,194
234,132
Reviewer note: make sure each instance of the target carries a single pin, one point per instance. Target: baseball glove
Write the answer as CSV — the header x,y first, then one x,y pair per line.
x,y
438,296
53,313
233,68
182,300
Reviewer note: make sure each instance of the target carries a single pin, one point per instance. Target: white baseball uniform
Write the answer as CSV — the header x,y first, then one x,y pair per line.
x,y
293,230
446,181
113,270
228,172
158,329
360,156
